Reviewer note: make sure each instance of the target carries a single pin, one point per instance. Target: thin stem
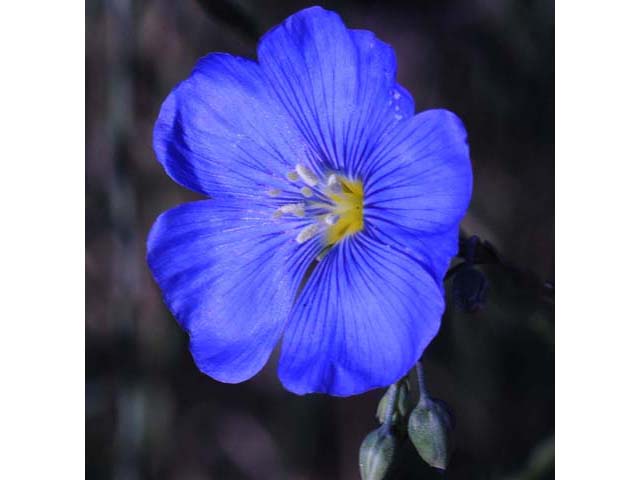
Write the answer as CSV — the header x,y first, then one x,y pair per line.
x,y
422,386
391,405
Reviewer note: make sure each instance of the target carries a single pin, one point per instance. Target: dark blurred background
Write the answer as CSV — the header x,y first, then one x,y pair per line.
x,y
151,414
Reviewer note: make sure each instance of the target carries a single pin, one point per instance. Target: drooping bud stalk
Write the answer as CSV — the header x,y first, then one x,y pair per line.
x,y
429,427
379,448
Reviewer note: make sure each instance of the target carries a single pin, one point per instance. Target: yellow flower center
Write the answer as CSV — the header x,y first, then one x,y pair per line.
x,y
348,208
331,205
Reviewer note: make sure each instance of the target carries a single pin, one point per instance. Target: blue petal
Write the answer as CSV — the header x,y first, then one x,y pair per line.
x,y
433,251
220,133
337,84
228,274
420,181
362,321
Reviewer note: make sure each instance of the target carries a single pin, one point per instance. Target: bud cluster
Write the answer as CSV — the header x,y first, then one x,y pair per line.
x,y
425,429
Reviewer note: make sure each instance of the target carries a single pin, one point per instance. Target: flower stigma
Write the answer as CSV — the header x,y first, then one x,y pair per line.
x,y
334,203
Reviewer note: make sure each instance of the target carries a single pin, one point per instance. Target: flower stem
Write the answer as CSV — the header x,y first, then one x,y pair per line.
x,y
422,386
391,406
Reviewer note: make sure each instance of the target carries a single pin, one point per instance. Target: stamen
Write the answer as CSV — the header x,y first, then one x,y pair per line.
x,y
307,233
333,184
296,209
323,253
331,219
307,175
335,207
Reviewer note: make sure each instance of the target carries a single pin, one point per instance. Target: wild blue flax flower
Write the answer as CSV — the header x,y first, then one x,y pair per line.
x,y
314,162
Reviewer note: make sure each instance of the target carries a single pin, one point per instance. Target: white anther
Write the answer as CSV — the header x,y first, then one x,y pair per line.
x,y
307,175
296,209
293,176
307,192
331,219
307,233
333,184
274,192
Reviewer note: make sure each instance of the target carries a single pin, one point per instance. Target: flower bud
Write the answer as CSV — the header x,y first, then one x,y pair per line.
x,y
429,428
377,454
403,404
470,289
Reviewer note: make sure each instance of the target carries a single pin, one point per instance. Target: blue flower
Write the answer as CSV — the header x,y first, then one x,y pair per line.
x,y
333,210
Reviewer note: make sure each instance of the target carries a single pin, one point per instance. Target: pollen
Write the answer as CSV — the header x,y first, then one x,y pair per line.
x,y
296,209
307,175
348,208
307,233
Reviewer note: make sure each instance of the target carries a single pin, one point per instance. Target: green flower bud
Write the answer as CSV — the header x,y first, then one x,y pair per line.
x,y
377,454
403,404
429,428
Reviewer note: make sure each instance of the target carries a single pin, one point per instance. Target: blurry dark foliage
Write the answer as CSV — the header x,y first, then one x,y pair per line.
x,y
151,414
